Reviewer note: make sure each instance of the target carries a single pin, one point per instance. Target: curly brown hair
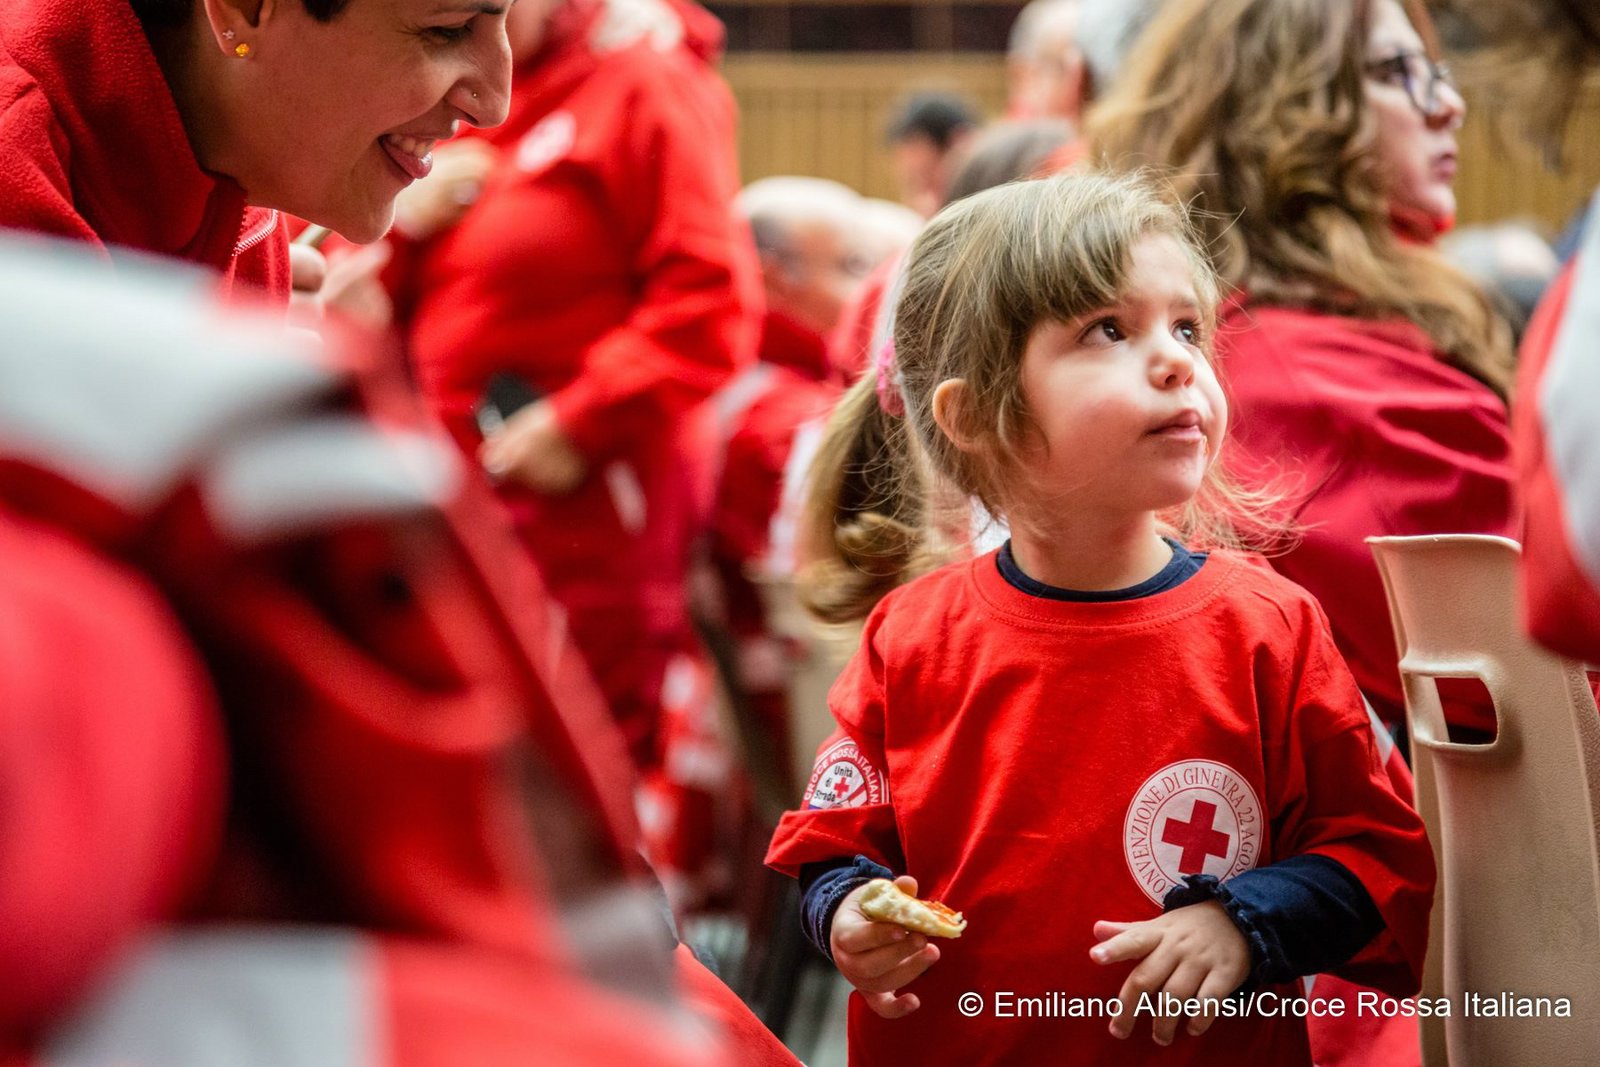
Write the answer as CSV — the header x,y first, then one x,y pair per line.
x,y
1257,111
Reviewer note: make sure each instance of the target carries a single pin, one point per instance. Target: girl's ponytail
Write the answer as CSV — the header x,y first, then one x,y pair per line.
x,y
865,527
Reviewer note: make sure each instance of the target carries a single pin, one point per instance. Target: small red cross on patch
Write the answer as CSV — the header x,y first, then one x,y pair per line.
x,y
1197,838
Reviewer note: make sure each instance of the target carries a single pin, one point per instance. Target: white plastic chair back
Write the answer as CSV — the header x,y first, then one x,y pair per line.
x,y
1513,822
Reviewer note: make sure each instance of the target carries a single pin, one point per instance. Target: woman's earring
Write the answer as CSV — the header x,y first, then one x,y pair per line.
x,y
228,35
241,50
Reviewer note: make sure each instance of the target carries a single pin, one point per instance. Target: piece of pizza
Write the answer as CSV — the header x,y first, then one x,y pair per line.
x,y
883,901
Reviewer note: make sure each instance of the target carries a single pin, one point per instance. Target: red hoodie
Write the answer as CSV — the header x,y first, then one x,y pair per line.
x,y
602,263
620,286
1369,433
96,151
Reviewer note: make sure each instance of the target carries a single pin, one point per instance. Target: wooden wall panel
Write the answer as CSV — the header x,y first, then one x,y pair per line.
x,y
825,115
1503,176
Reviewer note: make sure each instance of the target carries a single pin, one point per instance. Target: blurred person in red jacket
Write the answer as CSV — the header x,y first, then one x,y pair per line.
x,y
816,243
1317,143
814,238
1556,430
1557,444
599,274
353,805
1044,66
185,127
817,240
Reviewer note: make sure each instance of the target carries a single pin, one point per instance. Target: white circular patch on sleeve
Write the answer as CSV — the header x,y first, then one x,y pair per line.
x,y
844,778
1191,817
549,141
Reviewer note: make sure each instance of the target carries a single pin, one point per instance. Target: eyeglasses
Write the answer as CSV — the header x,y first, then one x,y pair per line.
x,y
1418,75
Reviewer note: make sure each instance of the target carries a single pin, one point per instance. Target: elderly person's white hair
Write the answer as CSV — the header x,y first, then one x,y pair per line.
x,y
816,242
1039,26
772,205
889,227
1044,68
1106,32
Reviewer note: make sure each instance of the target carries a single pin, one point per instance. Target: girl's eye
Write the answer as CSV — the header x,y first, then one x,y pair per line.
x,y
1188,332
1104,330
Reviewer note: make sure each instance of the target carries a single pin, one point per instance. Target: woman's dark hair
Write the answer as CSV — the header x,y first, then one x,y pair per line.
x,y
162,13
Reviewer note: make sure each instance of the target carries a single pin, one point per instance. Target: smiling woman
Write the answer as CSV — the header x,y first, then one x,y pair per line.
x,y
183,127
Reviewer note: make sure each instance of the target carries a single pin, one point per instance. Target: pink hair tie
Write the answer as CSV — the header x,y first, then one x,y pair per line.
x,y
890,399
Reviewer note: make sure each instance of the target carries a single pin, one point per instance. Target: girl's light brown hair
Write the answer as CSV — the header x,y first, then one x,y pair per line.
x,y
979,279
1257,110
865,527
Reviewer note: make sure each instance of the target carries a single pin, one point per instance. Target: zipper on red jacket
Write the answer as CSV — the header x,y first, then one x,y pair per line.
x,y
261,233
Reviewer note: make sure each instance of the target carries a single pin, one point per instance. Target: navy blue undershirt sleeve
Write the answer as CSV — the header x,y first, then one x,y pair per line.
x,y
824,886
1302,915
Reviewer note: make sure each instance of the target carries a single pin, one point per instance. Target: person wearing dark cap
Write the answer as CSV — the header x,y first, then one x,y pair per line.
x,y
924,136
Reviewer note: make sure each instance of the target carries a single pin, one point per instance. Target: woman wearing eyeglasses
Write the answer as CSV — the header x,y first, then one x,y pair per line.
x,y
1316,138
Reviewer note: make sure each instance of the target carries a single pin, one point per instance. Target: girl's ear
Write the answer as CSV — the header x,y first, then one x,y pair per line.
x,y
950,412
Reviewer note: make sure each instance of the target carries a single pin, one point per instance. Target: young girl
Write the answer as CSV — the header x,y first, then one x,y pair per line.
x,y
1142,771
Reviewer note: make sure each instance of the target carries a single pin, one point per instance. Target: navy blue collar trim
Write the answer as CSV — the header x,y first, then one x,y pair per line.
x,y
1183,566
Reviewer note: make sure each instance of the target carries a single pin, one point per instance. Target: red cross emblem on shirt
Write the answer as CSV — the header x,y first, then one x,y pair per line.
x,y
1197,838
842,778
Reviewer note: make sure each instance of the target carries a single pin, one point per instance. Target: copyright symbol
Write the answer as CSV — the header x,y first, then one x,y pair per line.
x,y
970,1004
